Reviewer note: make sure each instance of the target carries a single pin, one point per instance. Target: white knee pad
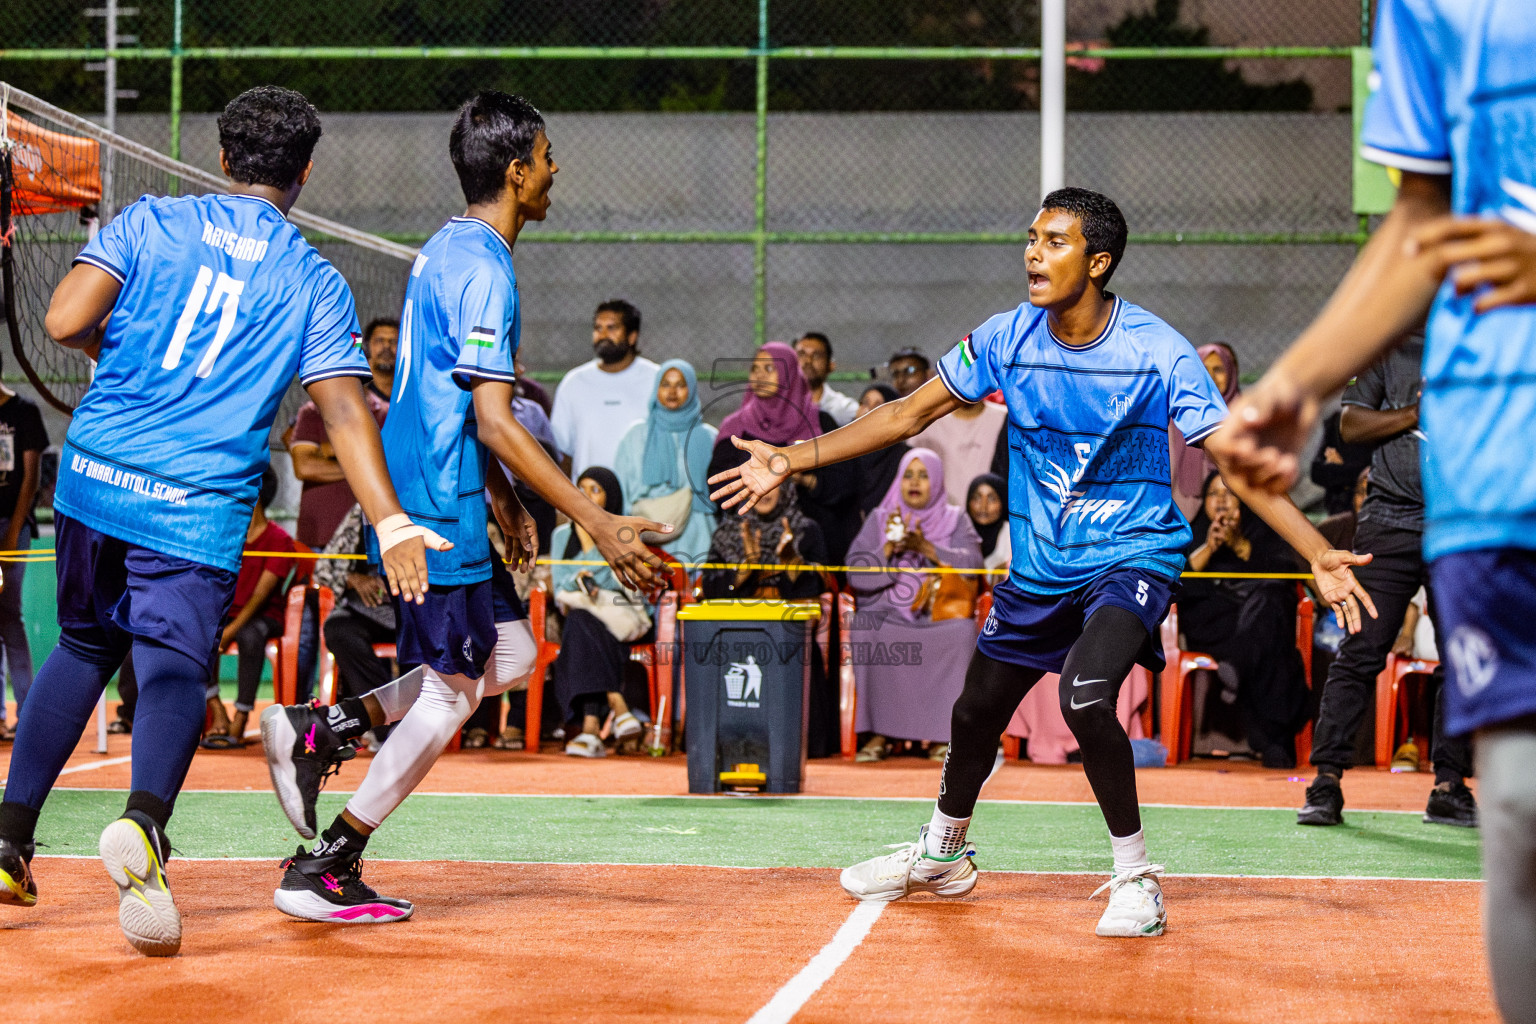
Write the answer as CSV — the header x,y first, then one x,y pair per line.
x,y
513,659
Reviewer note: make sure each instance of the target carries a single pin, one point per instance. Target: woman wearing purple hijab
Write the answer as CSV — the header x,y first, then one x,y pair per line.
x,y
908,669
778,409
1190,464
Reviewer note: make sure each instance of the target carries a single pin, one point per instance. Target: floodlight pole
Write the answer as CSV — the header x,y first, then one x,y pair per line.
x,y
1053,95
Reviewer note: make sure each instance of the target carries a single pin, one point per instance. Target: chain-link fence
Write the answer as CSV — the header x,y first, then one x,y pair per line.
x,y
744,169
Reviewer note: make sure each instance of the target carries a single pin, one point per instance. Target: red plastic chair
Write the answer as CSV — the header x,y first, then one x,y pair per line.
x,y
1391,708
1177,695
293,621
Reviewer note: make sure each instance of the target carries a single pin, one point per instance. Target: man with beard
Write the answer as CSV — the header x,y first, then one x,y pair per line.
x,y
597,401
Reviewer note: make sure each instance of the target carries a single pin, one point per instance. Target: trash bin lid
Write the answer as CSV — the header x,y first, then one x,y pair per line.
x,y
750,611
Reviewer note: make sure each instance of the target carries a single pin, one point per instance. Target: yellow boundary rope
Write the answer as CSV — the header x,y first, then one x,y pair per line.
x,y
47,555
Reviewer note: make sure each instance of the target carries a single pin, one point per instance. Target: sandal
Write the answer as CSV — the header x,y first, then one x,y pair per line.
x,y
474,739
7,733
586,745
626,725
120,727
221,741
938,751
875,750
511,738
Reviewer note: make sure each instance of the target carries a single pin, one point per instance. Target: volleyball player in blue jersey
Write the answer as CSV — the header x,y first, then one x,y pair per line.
x,y
1454,111
1091,384
200,310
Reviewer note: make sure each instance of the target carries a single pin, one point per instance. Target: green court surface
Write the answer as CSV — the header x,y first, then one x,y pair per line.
x,y
799,832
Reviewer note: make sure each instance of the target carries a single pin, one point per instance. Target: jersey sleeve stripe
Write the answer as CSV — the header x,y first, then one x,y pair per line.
x,y
478,373
1201,435
101,264
336,371
952,387
1406,161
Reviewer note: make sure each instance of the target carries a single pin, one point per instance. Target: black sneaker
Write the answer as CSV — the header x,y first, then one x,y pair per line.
x,y
302,752
17,887
331,888
1454,806
1325,802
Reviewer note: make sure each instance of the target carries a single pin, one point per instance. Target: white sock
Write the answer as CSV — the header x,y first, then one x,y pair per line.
x,y
397,695
946,835
1130,852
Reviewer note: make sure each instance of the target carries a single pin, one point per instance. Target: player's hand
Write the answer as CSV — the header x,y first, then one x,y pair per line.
x,y
518,529
1340,589
618,541
1259,441
743,487
403,550
1480,253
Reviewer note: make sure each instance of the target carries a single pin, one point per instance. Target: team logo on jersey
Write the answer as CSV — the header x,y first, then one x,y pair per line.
x,y
1064,485
1120,406
967,352
483,337
1474,660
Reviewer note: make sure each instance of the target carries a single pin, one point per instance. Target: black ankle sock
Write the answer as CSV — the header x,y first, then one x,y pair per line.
x,y
157,810
18,822
340,839
348,718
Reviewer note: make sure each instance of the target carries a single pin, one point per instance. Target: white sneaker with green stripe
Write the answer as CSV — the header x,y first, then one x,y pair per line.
x,y
909,870
1135,905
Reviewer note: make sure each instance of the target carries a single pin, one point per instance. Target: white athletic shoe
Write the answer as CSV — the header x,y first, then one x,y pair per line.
x,y
1135,905
911,870
135,858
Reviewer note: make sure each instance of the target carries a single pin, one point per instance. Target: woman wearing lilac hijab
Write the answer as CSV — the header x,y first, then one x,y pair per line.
x,y
1190,464
909,669
778,409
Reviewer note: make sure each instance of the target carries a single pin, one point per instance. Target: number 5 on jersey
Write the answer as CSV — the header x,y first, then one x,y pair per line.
x,y
226,288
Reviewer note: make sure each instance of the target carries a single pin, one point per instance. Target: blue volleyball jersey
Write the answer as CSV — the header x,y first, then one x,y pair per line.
x,y
460,324
1089,486
1455,93
222,302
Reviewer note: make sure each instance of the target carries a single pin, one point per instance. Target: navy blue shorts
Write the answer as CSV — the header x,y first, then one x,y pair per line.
x,y
454,630
1037,630
1486,602
109,587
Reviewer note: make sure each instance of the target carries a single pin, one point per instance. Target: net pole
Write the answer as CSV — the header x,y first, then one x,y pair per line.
x,y
1053,95
110,109
760,188
176,59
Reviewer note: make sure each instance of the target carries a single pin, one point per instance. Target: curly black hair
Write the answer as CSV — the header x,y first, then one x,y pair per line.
x,y
492,130
268,135
1103,224
268,489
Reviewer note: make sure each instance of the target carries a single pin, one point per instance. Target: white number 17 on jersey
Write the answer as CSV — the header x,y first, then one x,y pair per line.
x,y
226,288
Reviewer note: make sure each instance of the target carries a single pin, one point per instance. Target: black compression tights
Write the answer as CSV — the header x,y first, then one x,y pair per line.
x,y
1090,687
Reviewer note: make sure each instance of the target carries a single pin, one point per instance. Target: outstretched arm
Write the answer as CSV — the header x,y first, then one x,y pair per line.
x,y
1384,294
768,466
354,435
617,537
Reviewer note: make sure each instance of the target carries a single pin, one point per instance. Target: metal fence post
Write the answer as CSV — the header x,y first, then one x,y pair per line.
x,y
175,152
760,188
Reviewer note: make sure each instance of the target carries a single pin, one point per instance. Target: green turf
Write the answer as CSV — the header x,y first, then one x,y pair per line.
x,y
765,832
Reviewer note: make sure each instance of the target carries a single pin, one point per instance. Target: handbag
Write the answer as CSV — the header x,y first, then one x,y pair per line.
x,y
947,596
671,508
624,616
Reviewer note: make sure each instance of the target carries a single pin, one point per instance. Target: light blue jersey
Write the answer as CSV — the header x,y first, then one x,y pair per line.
x,y
1088,467
222,302
1456,94
460,324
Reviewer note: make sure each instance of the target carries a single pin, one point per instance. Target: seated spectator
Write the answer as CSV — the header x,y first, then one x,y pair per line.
x,y
589,671
912,634
22,441
598,400
967,441
1339,531
363,613
984,504
1248,626
816,362
255,616
531,415
527,387
1190,464
776,532
909,370
878,468
777,408
663,463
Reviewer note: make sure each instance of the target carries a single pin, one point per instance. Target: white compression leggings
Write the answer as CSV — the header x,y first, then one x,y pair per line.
x,y
431,708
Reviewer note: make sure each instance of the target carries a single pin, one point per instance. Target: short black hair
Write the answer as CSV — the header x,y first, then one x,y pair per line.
x,y
626,311
376,323
268,135
1103,225
491,130
818,336
268,489
910,353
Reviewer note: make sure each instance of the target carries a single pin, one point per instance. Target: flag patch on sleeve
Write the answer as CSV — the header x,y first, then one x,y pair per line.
x,y
357,340
967,352
484,337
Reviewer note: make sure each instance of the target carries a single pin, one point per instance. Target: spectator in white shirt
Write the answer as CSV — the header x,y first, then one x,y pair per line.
x,y
597,401
816,362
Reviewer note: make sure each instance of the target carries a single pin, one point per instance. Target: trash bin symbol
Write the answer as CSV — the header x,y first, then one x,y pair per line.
x,y
744,681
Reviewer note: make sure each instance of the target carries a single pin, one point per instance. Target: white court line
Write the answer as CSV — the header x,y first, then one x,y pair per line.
x,y
787,1001
90,766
